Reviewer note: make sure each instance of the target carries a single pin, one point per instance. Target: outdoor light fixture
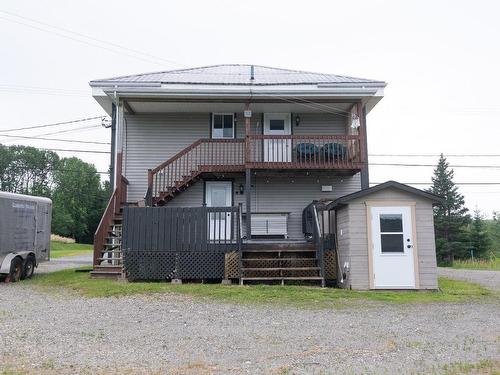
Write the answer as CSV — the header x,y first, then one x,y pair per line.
x,y
297,120
241,188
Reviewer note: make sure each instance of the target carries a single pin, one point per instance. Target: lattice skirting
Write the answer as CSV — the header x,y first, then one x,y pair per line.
x,y
232,265
330,265
158,265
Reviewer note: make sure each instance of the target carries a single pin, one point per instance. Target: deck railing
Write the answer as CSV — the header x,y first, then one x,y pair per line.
x,y
204,155
305,151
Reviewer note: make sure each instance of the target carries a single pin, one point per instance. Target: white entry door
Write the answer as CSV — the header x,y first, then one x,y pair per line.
x,y
219,194
277,150
392,240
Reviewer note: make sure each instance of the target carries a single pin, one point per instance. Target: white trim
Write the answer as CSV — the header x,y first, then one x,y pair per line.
x,y
213,122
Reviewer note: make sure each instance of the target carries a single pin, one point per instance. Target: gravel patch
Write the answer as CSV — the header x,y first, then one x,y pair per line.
x,y
489,279
57,333
63,263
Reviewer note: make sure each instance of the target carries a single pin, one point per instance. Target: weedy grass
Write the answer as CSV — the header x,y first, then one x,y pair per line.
x,y
298,296
64,249
492,264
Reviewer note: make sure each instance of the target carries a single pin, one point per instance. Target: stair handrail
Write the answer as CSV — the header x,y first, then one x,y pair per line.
x,y
117,198
186,166
319,241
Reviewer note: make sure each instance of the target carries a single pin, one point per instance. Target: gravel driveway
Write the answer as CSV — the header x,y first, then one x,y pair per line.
x,y
58,264
489,279
64,334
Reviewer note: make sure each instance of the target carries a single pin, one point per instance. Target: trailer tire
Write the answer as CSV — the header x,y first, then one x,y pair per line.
x,y
29,267
16,270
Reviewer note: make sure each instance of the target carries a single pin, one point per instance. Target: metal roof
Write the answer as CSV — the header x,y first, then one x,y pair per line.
x,y
235,74
436,199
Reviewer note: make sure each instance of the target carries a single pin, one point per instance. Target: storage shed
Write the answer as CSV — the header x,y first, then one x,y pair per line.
x,y
386,238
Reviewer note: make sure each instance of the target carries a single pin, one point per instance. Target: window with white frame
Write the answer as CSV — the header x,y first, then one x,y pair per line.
x,y
223,125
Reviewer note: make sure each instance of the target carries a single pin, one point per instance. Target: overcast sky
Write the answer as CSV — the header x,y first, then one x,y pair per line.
x,y
440,59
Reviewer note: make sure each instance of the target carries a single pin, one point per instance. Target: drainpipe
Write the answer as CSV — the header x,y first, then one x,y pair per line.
x,y
113,147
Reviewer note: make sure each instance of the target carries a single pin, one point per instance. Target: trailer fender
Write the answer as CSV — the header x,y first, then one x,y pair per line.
x,y
5,266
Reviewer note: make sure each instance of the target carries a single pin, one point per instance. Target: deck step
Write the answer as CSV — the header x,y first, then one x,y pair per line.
x,y
265,269
278,250
281,278
278,259
113,258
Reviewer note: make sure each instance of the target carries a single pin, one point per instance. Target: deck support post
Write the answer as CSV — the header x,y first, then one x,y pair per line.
x,y
365,178
248,171
248,205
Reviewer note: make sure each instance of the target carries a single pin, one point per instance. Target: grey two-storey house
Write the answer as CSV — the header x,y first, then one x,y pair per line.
x,y
227,172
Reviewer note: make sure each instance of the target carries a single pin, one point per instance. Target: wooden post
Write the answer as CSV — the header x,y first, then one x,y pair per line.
x,y
365,178
248,171
248,193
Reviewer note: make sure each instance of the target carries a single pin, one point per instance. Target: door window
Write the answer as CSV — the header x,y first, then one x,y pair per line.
x,y
391,233
277,125
223,125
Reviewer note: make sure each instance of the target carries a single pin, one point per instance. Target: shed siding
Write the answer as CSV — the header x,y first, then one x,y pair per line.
x,y
150,139
342,222
358,241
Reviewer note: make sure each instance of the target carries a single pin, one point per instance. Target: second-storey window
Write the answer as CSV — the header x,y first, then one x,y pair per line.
x,y
223,125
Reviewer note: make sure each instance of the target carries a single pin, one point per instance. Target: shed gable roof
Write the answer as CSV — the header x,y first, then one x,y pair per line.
x,y
236,74
389,184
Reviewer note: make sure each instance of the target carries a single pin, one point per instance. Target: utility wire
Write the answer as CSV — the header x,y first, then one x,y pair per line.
x,y
456,183
54,139
151,59
437,155
434,165
54,124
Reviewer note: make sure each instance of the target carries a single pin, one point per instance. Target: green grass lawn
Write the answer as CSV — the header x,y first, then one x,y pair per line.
x,y
61,249
480,264
299,296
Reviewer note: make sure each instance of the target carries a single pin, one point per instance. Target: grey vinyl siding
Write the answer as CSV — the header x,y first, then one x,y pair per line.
x,y
320,124
150,139
274,193
356,243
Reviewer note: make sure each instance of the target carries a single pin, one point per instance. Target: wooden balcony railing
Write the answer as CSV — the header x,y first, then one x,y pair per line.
x,y
305,151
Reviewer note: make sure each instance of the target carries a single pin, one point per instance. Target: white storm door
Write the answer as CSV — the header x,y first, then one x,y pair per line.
x,y
277,150
219,194
392,252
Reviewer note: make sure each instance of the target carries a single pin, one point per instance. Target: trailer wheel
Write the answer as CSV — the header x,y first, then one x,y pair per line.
x,y
16,270
29,267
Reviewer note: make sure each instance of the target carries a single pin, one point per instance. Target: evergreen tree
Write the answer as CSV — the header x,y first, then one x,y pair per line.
x,y
479,240
451,217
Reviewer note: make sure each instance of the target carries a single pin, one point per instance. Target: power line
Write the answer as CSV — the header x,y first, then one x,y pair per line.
x,y
54,124
54,139
433,165
67,150
456,183
438,155
150,59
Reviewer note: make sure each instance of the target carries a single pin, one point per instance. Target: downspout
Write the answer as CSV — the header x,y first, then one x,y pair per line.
x,y
113,147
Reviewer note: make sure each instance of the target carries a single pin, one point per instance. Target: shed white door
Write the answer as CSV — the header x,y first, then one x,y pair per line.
x,y
219,194
392,240
277,150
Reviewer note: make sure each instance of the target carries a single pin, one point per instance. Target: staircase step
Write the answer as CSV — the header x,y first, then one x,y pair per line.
x,y
278,251
278,259
105,259
281,278
263,269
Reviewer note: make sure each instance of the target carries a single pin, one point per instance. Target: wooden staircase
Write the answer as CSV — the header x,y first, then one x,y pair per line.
x,y
109,263
280,262
185,168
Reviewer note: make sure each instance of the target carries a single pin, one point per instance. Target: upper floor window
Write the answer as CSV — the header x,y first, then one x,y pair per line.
x,y
223,125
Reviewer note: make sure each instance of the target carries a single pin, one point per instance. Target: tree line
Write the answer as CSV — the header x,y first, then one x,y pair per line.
x,y
460,235
78,195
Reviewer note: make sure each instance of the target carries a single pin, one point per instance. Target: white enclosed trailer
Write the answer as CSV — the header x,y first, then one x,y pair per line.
x,y
24,234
